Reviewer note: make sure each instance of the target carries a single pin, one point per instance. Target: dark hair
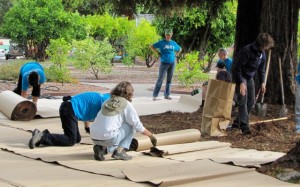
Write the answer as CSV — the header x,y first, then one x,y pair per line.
x,y
123,89
264,40
33,79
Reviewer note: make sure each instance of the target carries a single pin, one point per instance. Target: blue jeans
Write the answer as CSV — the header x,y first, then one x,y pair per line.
x,y
297,107
164,68
245,105
123,139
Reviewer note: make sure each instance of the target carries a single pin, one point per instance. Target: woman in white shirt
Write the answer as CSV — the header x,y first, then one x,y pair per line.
x,y
116,124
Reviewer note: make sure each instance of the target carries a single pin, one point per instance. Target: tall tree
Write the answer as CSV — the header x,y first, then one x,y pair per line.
x,y
4,7
280,19
35,22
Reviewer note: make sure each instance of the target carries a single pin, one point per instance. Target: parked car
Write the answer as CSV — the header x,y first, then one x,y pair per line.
x,y
2,54
15,52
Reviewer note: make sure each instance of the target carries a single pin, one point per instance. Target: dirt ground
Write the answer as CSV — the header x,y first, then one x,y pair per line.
x,y
272,136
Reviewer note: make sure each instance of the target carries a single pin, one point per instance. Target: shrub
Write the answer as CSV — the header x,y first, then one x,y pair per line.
x,y
189,70
58,74
10,71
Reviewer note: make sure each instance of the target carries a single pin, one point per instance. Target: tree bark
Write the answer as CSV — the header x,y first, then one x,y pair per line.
x,y
279,18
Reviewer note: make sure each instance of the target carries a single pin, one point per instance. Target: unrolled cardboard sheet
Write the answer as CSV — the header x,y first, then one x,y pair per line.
x,y
184,103
167,150
79,157
142,168
140,143
15,172
16,107
47,108
198,172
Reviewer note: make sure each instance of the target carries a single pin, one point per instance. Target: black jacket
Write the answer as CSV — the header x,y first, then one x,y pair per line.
x,y
249,60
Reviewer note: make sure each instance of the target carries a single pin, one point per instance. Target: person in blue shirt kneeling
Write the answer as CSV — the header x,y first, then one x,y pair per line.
x,y
83,107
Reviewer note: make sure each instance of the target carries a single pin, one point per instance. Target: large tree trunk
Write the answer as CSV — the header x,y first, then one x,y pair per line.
x,y
279,18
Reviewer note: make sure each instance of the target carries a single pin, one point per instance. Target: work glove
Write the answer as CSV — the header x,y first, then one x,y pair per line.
x,y
153,140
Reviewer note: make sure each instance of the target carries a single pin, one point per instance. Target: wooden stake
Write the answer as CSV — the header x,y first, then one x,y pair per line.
x,y
268,120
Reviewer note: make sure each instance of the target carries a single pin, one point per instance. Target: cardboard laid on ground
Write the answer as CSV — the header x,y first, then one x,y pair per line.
x,y
19,171
80,157
217,151
141,142
201,172
167,150
47,108
184,103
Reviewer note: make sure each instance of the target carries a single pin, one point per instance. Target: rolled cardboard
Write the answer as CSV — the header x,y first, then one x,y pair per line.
x,y
140,143
16,107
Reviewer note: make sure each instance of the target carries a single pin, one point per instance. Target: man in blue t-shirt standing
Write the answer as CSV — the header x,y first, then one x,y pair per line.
x,y
31,74
83,107
168,51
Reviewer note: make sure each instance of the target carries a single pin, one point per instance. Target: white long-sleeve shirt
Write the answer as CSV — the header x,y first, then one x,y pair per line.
x,y
106,127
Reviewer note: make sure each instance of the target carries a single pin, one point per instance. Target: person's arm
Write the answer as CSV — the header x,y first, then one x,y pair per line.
x,y
178,52
35,100
242,60
155,50
133,119
24,93
151,136
87,126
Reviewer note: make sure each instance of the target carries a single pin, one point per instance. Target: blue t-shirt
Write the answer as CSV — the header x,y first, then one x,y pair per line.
x,y
228,64
167,50
86,105
25,71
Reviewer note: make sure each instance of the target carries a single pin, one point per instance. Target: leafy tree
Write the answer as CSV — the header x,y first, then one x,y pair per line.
x,y
58,51
198,30
138,42
93,55
4,7
35,22
88,7
107,26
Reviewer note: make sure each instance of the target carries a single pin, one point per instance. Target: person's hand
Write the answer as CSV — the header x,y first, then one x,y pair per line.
x,y
243,89
153,140
263,87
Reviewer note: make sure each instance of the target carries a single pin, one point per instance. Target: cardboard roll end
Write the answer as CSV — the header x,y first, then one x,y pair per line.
x,y
24,111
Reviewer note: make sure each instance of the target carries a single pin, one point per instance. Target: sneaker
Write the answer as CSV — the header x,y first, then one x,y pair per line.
x,y
154,98
245,131
99,152
121,156
87,129
36,139
168,97
232,127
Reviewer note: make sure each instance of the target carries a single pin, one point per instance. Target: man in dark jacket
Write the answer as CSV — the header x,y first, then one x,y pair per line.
x,y
251,58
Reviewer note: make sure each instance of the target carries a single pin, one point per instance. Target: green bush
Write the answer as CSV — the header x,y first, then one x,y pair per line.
x,y
10,71
58,74
189,70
